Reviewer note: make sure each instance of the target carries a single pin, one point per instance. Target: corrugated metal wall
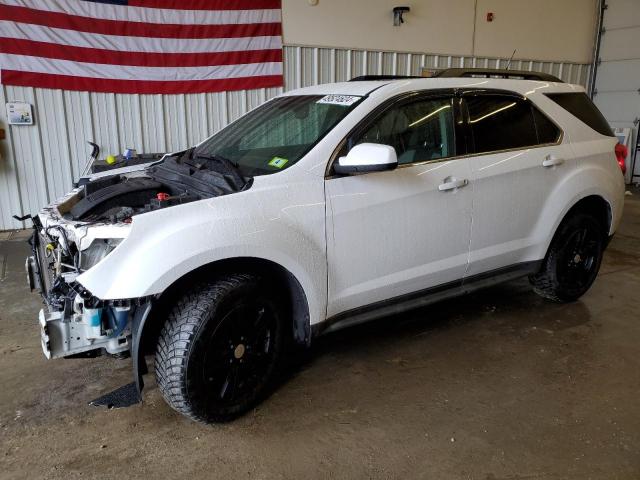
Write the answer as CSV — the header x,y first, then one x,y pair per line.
x,y
39,162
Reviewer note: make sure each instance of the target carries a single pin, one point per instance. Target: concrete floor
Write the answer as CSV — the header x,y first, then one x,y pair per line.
x,y
498,385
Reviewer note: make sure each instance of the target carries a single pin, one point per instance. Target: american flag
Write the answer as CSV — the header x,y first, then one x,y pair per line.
x,y
141,46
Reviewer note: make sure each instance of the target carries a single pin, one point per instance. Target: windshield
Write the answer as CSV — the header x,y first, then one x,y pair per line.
x,y
277,134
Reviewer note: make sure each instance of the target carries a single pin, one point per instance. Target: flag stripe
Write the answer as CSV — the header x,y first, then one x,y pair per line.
x,y
114,57
132,44
110,2
127,72
151,15
136,29
67,82
206,4
141,46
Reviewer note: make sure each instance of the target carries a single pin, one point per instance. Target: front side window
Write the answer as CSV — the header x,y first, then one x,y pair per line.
x,y
419,131
277,134
500,123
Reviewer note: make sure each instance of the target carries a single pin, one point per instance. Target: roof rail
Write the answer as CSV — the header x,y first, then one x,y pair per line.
x,y
467,72
495,73
368,78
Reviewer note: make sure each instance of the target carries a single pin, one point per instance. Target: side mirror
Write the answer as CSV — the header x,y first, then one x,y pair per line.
x,y
367,157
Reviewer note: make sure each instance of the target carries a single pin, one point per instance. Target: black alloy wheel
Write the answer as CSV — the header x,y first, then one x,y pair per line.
x,y
221,348
573,260
238,353
579,258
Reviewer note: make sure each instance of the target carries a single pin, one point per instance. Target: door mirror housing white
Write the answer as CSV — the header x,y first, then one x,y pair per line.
x,y
367,157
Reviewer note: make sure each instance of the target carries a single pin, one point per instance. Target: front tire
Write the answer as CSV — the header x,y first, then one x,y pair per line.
x,y
573,260
220,349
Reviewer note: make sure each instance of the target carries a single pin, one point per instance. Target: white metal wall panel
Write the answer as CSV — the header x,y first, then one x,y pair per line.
x,y
39,162
10,193
622,13
621,43
30,172
152,123
104,120
619,75
77,111
55,141
617,88
619,108
129,120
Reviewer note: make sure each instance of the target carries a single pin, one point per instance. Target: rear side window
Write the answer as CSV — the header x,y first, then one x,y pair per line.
x,y
547,130
581,106
500,123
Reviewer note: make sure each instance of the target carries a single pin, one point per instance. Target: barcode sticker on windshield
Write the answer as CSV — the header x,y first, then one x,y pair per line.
x,y
342,100
278,162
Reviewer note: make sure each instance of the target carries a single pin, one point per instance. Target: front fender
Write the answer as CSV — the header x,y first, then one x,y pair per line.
x,y
264,223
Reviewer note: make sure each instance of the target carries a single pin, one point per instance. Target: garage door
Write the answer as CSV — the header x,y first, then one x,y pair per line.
x,y
618,75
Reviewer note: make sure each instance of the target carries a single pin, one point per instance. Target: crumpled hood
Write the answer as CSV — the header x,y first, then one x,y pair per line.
x,y
177,179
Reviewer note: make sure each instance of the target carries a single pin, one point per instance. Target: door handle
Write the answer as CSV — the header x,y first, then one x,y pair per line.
x,y
552,161
452,183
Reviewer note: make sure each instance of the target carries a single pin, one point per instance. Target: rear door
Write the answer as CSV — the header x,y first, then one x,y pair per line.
x,y
393,233
520,156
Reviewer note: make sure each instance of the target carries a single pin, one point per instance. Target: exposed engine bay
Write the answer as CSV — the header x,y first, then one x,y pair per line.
x,y
177,179
74,235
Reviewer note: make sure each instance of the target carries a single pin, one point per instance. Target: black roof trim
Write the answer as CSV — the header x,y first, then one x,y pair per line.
x,y
496,72
470,73
370,78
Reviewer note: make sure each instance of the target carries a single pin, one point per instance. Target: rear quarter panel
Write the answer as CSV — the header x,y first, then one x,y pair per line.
x,y
594,171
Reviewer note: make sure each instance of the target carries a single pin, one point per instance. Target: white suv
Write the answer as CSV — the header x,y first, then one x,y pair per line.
x,y
325,207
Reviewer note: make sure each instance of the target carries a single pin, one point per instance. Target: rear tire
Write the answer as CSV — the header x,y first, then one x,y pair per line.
x,y
573,260
220,349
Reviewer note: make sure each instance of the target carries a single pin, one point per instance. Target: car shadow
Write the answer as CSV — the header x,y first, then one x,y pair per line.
x,y
508,309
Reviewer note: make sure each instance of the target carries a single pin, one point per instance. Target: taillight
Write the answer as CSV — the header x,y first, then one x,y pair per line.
x,y
621,155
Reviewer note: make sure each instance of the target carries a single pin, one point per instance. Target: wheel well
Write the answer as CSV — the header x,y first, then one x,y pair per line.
x,y
284,284
596,206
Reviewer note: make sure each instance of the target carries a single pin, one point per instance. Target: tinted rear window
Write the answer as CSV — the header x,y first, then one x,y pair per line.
x,y
500,123
581,106
547,131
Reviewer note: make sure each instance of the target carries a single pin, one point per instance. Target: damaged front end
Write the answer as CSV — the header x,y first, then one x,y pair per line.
x,y
73,321
75,234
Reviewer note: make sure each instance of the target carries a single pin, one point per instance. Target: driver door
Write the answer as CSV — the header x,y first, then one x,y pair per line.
x,y
393,233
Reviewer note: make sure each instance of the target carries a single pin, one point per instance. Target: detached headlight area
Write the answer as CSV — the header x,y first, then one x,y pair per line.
x,y
75,321
99,249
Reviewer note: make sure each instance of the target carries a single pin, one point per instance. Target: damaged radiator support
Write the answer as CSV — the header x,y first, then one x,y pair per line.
x,y
74,321
85,329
